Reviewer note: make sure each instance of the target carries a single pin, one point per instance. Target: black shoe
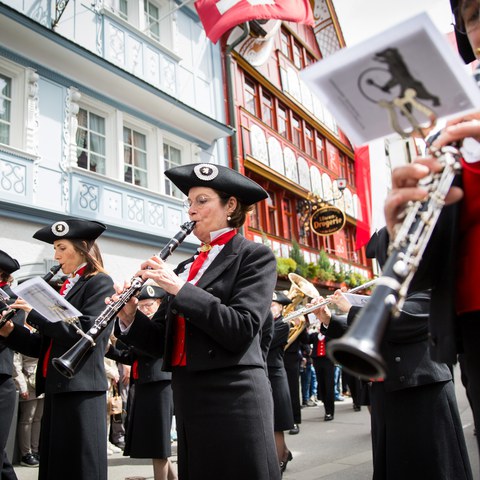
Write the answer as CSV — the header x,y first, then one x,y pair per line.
x,y
36,455
29,460
283,465
328,417
356,408
294,430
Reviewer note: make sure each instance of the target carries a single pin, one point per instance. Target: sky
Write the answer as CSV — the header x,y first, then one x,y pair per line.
x,y
360,19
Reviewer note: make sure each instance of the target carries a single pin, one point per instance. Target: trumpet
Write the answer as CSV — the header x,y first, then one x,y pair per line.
x,y
305,310
68,363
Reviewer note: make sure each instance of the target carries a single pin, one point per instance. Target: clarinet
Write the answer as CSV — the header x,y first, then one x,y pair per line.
x,y
68,363
358,351
11,312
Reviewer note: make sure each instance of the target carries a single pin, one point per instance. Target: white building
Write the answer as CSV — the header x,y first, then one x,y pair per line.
x,y
96,101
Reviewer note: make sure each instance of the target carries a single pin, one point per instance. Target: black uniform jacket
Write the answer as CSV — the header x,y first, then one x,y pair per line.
x,y
279,340
6,354
224,313
150,369
87,295
405,347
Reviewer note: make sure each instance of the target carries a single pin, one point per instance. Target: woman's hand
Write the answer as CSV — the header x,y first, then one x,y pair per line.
x,y
340,301
21,304
127,314
162,274
7,329
323,314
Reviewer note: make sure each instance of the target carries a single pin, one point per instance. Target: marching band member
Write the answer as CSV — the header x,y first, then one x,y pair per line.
x,y
208,330
8,265
416,427
73,439
282,404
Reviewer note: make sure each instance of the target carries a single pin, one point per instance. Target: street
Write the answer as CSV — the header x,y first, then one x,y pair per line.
x,y
336,450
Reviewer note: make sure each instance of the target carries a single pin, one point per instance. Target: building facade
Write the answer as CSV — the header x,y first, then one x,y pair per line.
x,y
96,101
290,144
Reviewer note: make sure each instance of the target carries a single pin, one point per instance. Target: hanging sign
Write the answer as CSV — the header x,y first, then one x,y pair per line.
x,y
327,220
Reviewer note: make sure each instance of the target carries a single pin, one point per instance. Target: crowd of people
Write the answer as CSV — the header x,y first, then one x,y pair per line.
x,y
206,341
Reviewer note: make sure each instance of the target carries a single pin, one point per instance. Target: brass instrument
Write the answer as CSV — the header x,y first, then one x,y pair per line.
x,y
300,290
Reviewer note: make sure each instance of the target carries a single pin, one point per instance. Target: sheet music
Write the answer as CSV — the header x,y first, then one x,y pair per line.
x,y
46,300
356,300
361,85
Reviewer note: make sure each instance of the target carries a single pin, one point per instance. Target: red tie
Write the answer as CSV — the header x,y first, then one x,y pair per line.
x,y
178,353
205,248
321,351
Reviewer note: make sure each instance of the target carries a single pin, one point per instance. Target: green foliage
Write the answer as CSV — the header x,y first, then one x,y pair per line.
x,y
340,274
325,268
285,266
354,279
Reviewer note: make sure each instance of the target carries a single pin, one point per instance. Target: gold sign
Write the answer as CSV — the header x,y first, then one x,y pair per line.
x,y
327,221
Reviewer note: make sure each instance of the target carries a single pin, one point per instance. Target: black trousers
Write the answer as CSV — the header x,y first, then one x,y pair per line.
x,y
325,370
470,331
7,407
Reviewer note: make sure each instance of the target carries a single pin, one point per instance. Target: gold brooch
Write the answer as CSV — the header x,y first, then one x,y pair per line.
x,y
206,247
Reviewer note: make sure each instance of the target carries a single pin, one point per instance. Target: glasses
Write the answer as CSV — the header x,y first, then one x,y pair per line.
x,y
469,21
147,305
199,203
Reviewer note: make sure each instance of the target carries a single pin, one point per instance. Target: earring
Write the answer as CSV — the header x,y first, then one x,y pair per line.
x,y
229,218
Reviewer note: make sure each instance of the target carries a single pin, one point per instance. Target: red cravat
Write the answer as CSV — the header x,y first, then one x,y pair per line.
x,y
205,248
135,370
179,359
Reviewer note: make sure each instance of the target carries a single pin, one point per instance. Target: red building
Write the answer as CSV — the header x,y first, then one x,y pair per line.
x,y
288,142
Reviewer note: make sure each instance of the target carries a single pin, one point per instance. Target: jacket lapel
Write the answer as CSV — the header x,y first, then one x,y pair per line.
x,y
222,261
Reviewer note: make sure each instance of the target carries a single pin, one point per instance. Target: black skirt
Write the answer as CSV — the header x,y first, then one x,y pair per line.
x,y
282,403
150,421
225,424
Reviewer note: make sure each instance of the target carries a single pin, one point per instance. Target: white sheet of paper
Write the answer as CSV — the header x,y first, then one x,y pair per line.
x,y
356,300
410,55
46,300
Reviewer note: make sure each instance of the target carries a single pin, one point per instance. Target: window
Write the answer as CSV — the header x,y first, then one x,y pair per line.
x,y
351,172
267,109
152,17
285,47
296,131
172,157
91,142
309,141
255,216
250,96
272,214
289,230
297,55
320,152
5,108
123,9
283,124
135,157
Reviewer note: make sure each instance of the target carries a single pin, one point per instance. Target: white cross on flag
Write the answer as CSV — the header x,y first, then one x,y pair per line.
x,y
219,16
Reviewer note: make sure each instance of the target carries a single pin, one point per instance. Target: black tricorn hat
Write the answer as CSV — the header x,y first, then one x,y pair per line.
x,y
7,263
151,291
70,228
463,45
377,247
280,298
219,178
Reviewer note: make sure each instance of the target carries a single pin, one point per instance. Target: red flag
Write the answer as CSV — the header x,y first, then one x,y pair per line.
x,y
219,16
364,192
